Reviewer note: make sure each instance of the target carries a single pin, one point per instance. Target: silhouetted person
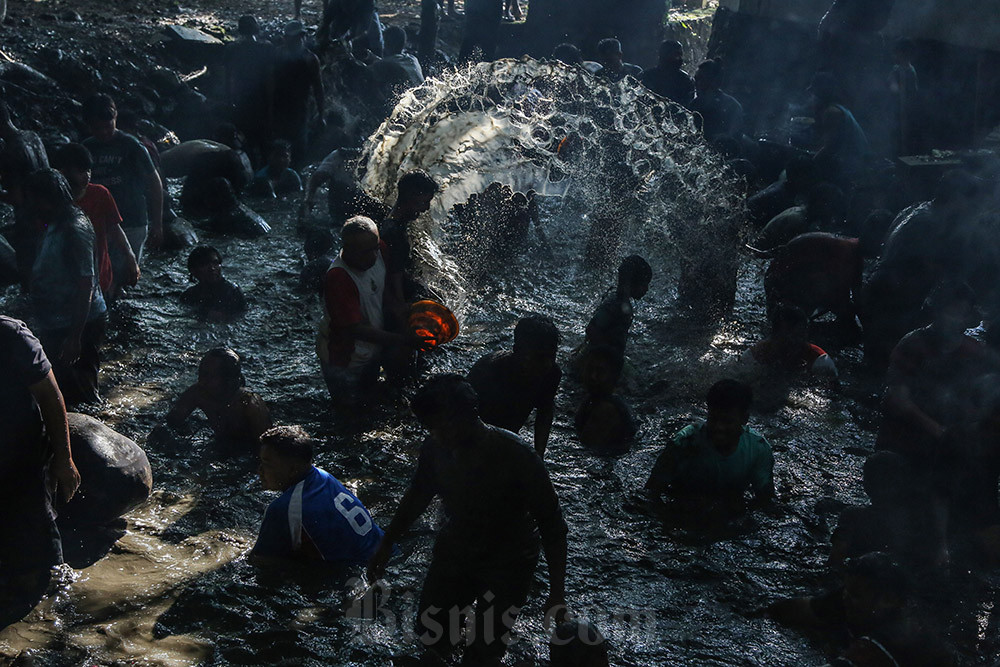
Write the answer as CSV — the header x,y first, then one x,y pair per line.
x,y
667,79
842,147
482,28
354,22
296,76
250,84
613,65
722,114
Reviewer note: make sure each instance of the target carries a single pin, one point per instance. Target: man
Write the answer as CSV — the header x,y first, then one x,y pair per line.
x,y
482,28
714,462
667,79
296,74
123,166
613,65
75,163
21,154
249,65
316,518
352,334
722,114
511,385
415,190
397,70
353,22
842,148
35,458
500,506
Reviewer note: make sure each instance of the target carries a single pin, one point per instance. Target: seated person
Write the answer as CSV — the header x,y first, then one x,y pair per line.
x,y
319,257
714,462
277,178
214,298
604,422
511,385
872,617
667,79
722,114
613,318
842,147
613,65
233,412
316,518
788,348
578,644
904,519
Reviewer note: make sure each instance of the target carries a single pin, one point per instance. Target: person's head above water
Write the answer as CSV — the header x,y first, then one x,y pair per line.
x,y
395,40
610,52
568,53
247,26
75,162
279,157
286,455
446,404
220,372
536,341
709,76
415,191
359,241
671,54
48,195
100,115
205,264
634,275
729,404
578,644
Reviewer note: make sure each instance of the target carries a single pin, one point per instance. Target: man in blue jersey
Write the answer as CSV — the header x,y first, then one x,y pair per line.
x,y
316,518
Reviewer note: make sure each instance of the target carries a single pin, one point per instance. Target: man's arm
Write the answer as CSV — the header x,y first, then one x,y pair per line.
x,y
154,204
186,404
79,311
663,473
50,403
545,509
118,241
414,502
543,426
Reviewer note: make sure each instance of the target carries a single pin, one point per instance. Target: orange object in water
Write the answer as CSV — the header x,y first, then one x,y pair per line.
x,y
431,319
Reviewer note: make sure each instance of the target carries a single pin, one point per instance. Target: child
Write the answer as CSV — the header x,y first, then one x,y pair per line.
x,y
787,349
277,178
214,298
613,318
604,422
234,413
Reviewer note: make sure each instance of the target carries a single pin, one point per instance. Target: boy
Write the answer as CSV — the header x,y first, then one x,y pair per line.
x,y
613,318
75,163
604,422
316,518
714,462
277,178
233,412
123,166
511,385
214,298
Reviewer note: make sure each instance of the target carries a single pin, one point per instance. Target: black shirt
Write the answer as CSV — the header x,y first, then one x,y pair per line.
x,y
24,364
506,395
672,83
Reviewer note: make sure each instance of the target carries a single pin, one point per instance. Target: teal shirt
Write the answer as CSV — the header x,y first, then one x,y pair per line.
x,y
691,466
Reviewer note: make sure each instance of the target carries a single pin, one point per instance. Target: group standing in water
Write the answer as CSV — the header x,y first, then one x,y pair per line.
x,y
86,213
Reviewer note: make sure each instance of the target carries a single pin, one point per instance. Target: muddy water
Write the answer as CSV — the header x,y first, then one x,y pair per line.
x,y
176,588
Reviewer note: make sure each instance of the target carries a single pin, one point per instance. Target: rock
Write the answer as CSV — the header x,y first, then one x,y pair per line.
x,y
178,234
114,471
178,161
240,220
70,16
8,263
193,46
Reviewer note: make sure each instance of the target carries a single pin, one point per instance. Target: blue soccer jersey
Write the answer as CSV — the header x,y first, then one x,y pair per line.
x,y
318,519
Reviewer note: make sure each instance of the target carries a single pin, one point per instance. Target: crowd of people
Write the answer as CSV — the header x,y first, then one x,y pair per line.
x,y
909,275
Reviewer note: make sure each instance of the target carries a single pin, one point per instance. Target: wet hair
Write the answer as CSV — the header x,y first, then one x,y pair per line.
x,y
415,183
395,40
635,269
887,476
248,25
50,186
317,242
292,442
99,107
71,156
536,332
669,49
201,256
356,226
881,569
230,363
609,46
576,643
730,394
448,395
280,146
568,53
787,316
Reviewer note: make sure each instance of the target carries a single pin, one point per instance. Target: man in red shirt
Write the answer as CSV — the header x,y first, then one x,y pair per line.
x,y
352,336
75,162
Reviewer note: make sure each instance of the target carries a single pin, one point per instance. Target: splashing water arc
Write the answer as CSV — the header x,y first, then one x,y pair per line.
x,y
631,153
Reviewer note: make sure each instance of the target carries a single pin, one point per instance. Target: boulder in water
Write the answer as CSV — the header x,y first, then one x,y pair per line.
x,y
178,234
178,161
114,471
240,220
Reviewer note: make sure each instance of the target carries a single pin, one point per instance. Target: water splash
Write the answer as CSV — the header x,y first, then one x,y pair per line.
x,y
608,151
